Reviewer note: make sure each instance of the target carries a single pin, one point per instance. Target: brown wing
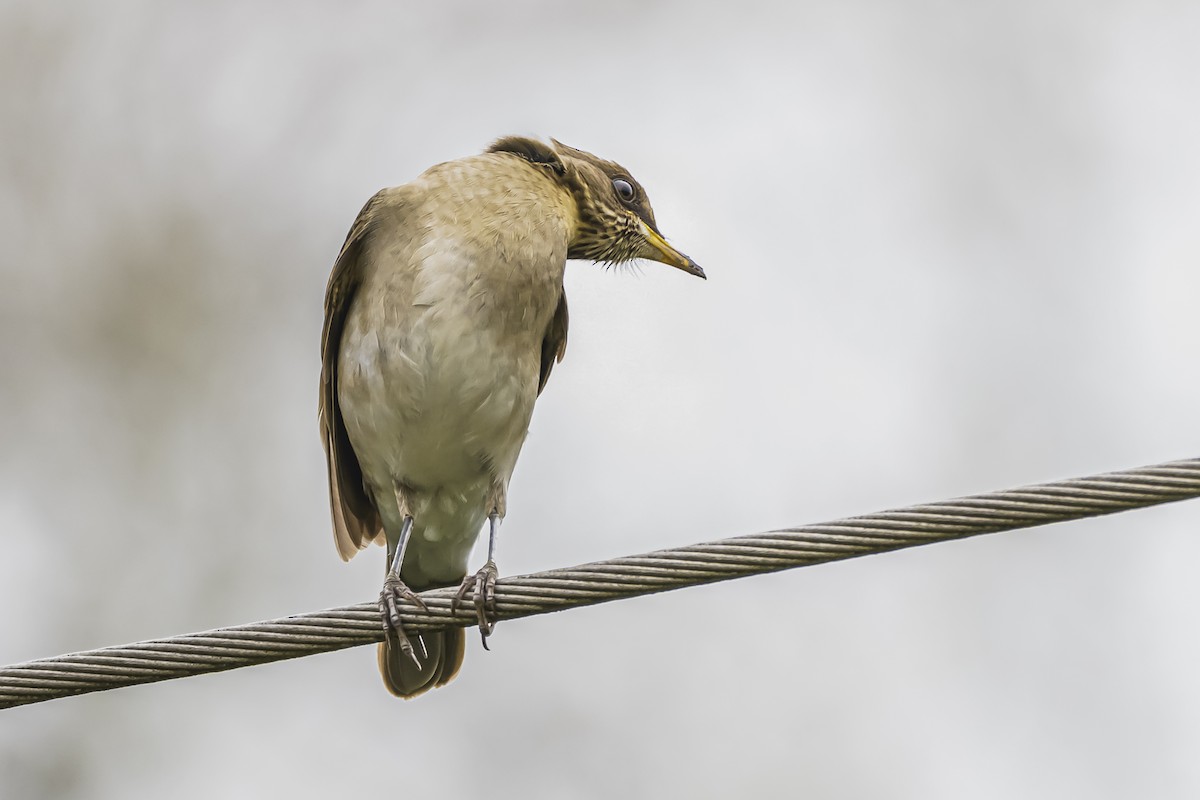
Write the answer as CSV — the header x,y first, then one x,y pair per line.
x,y
554,344
355,518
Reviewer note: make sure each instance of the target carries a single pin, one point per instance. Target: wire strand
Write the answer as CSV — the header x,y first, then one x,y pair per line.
x,y
602,581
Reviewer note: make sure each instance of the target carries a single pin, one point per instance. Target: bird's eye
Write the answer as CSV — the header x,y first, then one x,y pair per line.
x,y
624,189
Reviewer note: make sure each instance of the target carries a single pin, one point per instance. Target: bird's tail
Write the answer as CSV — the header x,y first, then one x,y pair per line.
x,y
405,679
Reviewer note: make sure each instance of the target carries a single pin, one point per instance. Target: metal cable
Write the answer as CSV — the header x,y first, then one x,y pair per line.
x,y
599,582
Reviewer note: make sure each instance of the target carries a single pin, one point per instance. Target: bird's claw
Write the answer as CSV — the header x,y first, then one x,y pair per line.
x,y
482,587
395,590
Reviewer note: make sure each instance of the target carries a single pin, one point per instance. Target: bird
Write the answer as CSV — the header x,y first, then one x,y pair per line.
x,y
444,317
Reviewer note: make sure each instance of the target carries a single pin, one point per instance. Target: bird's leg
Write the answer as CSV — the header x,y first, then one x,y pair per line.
x,y
482,585
395,590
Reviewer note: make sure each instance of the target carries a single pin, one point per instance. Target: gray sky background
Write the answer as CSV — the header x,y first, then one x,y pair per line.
x,y
951,248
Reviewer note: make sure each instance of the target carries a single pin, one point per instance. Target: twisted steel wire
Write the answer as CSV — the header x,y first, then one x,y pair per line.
x,y
602,581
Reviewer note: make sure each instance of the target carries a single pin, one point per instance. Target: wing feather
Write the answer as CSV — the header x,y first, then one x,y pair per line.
x,y
554,344
355,519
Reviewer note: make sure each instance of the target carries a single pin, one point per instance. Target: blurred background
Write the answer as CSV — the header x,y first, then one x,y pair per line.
x,y
951,248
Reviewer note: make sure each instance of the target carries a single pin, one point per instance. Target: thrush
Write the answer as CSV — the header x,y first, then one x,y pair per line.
x,y
444,316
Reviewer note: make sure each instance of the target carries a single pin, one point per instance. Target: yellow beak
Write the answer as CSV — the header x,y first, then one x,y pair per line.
x,y
657,249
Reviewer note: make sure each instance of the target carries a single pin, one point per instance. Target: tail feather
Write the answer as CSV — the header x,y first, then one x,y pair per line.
x,y
403,678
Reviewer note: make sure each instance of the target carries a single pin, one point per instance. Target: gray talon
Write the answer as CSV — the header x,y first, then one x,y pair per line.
x,y
482,588
395,590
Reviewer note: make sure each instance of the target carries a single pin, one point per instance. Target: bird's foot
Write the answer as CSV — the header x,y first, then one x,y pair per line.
x,y
395,590
482,587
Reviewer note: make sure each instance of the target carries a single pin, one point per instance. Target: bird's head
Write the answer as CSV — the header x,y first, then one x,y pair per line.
x,y
616,222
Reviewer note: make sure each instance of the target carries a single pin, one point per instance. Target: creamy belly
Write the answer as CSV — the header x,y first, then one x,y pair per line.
x,y
438,405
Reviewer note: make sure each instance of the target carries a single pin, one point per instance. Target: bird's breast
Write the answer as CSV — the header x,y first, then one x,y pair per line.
x,y
438,370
